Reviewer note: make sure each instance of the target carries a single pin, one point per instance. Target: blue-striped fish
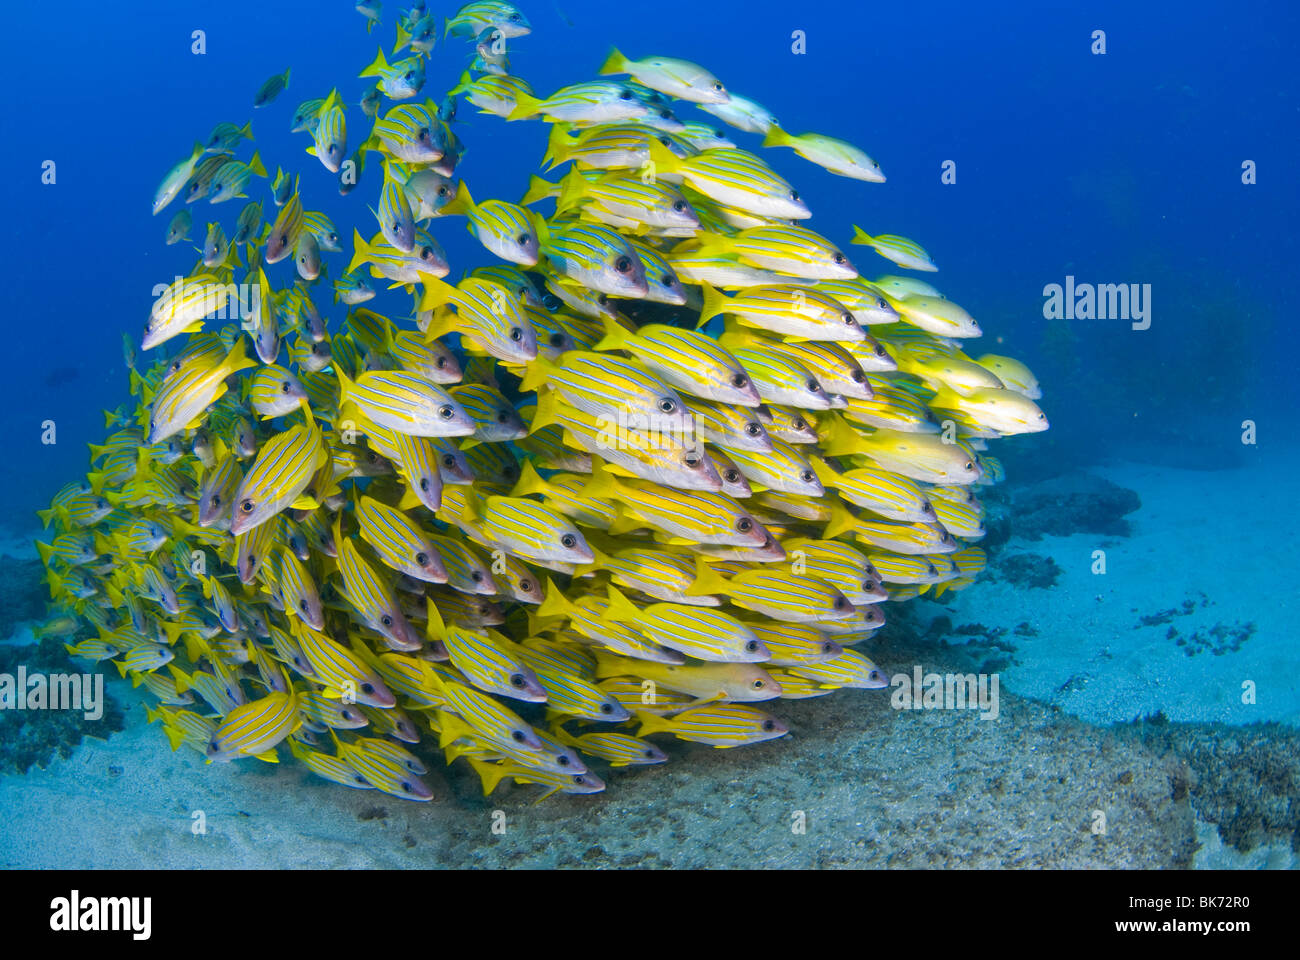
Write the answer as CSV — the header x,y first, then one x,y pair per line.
x,y
283,471
595,257
411,133
489,314
618,749
796,312
254,729
787,249
734,177
371,597
837,156
399,542
399,80
775,594
406,403
720,725
902,251
686,359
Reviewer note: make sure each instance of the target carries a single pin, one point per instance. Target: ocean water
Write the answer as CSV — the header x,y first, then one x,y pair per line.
x,y
1020,157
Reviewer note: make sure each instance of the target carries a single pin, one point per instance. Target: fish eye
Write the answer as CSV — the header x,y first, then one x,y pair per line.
x,y
517,736
445,412
744,524
284,239
679,206
757,684
768,726
423,134
799,423
524,239
443,191
752,429
839,603
692,461
814,386
503,416
794,195
969,465
667,405
839,258
284,386
448,460
477,576
569,540
623,265
732,476
302,604
625,94
421,558
424,484
752,647
246,506
556,339
517,680
739,380
409,75
516,334
426,253
850,320
386,620
718,87
806,476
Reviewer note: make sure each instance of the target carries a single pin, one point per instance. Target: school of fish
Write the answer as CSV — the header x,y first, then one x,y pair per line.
x,y
655,469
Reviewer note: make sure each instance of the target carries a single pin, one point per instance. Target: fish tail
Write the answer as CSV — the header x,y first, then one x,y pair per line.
x,y
603,485
614,63
540,371
556,603
544,416
557,146
462,85
361,250
256,164
530,482
707,581
489,773
620,607
538,189
652,723
403,37
525,106
715,303
841,522
46,551
861,237
776,137
377,66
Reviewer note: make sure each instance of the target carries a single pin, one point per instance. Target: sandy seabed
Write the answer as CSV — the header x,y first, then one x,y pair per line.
x,y
1115,745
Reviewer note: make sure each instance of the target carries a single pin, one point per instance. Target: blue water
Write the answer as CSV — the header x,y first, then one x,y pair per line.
x,y
1117,168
